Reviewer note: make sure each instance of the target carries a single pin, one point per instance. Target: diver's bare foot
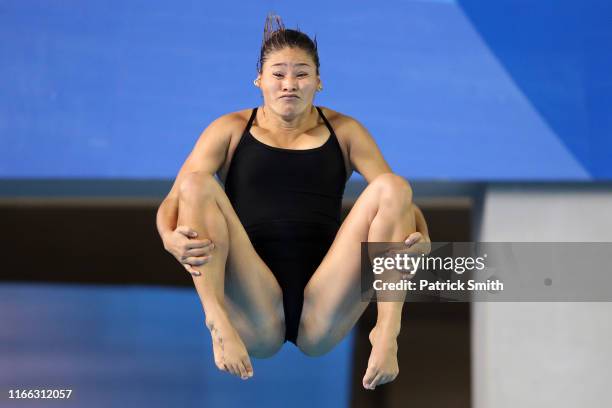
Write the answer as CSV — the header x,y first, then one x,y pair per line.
x,y
229,351
382,364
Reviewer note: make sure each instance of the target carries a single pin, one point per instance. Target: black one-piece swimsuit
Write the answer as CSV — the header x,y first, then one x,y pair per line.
x,y
289,202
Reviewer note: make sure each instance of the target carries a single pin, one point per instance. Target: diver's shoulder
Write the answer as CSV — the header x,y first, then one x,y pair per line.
x,y
343,124
233,122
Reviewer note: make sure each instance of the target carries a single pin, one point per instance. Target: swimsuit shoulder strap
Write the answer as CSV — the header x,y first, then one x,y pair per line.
x,y
331,130
244,138
251,119
335,143
332,136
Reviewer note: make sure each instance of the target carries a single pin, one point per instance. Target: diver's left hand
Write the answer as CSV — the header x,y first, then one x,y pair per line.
x,y
419,242
415,245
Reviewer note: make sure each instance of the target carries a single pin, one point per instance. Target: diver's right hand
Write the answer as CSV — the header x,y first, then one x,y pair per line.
x,y
188,250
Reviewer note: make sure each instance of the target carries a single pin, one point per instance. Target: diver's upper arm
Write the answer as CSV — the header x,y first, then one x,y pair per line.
x,y
364,154
209,152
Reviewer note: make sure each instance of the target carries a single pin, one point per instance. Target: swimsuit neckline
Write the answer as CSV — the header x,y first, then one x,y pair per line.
x,y
282,149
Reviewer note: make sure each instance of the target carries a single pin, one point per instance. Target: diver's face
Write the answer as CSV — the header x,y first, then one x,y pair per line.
x,y
288,81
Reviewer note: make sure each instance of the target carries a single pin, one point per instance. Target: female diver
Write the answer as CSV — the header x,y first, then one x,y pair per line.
x,y
268,256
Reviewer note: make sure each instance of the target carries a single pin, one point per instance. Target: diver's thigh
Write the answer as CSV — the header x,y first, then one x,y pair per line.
x,y
332,298
248,280
253,297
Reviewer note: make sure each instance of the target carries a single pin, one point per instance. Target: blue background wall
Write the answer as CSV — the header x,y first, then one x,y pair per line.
x,y
467,90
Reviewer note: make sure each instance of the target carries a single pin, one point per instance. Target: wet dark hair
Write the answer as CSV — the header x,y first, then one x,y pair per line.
x,y
279,37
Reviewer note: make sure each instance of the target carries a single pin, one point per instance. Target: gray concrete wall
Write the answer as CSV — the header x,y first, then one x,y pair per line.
x,y
543,354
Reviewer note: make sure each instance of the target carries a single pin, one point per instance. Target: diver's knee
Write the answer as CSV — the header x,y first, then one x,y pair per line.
x,y
269,341
315,336
392,189
197,185
315,348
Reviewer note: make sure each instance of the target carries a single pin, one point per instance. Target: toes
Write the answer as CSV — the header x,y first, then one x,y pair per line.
x,y
227,367
235,370
384,379
248,368
376,381
220,365
370,382
242,370
369,377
